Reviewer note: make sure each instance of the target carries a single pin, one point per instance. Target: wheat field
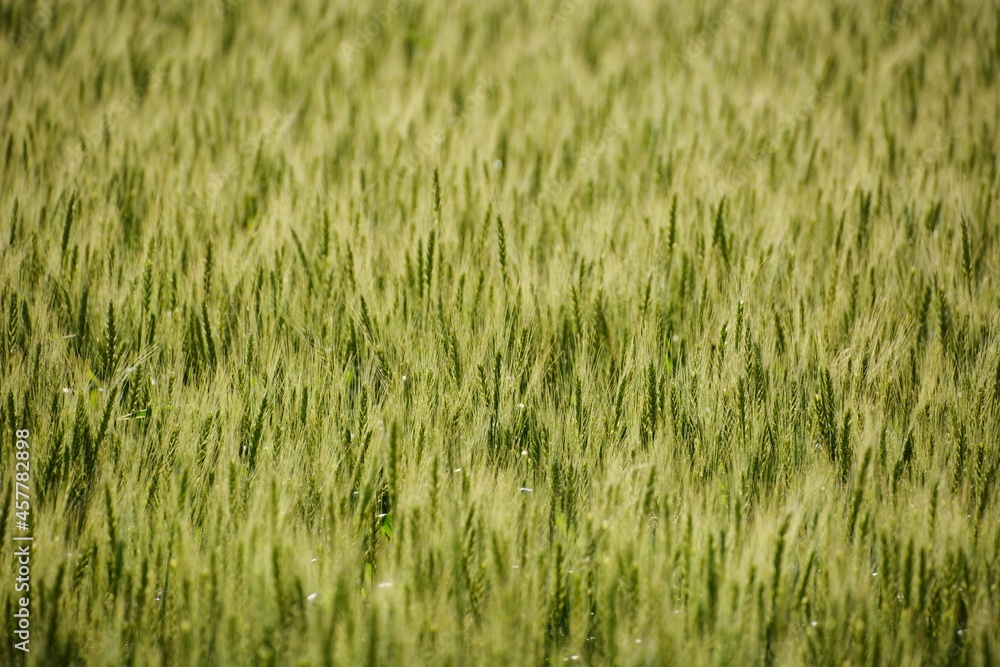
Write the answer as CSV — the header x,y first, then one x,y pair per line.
x,y
499,333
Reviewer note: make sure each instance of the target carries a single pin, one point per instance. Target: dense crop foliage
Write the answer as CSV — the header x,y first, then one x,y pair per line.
x,y
502,333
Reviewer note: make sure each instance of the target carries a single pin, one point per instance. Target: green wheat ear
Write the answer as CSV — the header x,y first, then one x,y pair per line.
x,y
437,197
68,222
109,356
719,238
966,253
502,248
